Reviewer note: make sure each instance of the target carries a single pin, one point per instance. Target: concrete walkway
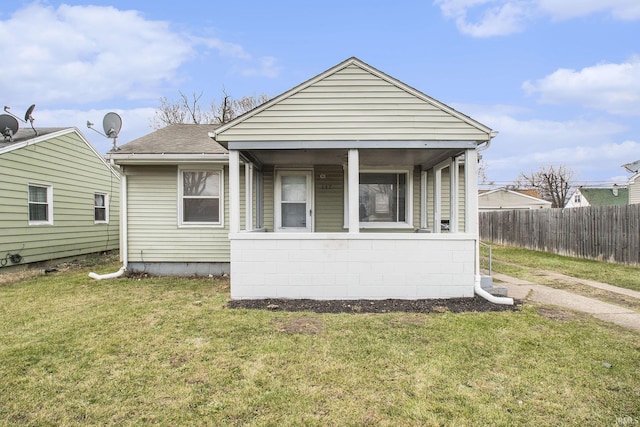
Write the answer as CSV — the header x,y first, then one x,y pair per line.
x,y
522,289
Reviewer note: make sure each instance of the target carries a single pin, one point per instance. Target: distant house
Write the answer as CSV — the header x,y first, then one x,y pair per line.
x,y
339,188
506,199
60,198
584,196
634,189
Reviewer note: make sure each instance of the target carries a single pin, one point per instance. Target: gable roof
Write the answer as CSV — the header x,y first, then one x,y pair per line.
x,y
528,194
353,101
27,137
604,196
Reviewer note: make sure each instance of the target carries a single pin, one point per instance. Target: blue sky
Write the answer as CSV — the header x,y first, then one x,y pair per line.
x,y
559,79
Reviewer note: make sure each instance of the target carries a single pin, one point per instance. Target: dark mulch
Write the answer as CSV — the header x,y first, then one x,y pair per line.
x,y
454,305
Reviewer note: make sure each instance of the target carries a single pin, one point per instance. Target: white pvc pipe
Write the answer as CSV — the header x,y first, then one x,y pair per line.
x,y
108,276
491,298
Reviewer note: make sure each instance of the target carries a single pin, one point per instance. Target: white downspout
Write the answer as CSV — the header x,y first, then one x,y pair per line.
x,y
123,234
471,222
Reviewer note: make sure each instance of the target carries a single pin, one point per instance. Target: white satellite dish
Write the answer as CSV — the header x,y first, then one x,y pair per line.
x,y
111,123
632,167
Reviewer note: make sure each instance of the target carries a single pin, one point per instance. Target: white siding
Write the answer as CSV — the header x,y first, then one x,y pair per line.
x,y
634,192
352,104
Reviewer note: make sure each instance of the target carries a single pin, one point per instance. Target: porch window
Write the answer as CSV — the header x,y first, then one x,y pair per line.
x,y
100,206
384,199
40,204
200,197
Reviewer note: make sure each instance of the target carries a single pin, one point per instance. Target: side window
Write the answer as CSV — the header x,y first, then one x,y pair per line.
x,y
100,208
40,204
200,197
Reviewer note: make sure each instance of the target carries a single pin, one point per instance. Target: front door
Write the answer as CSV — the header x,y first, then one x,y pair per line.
x,y
293,199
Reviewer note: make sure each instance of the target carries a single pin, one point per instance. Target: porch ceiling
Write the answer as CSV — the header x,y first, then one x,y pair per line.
x,y
426,158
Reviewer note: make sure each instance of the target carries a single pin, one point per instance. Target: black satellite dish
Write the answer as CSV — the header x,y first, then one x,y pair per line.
x,y
27,116
8,126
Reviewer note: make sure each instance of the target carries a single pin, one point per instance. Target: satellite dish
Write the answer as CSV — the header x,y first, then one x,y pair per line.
x,y
632,167
112,123
27,116
8,126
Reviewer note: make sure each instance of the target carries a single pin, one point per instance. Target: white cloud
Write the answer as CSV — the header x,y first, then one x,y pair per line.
x,y
488,18
87,53
75,55
614,88
495,17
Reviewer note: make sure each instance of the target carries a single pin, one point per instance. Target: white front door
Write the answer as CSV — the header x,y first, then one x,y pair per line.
x,y
294,201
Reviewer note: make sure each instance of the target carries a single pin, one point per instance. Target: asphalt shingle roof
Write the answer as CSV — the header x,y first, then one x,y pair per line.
x,y
175,139
26,134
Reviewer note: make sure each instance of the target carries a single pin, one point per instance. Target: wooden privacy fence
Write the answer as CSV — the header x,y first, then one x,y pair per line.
x,y
610,233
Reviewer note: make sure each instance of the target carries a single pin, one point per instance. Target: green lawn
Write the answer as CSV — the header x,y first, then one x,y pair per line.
x,y
167,351
508,260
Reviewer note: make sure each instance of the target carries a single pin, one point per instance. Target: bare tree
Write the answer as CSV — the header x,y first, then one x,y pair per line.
x,y
188,109
552,182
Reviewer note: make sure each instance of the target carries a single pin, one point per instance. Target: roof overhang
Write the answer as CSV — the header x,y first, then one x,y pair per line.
x,y
333,145
147,159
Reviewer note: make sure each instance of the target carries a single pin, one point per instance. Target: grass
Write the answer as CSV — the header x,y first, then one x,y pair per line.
x,y
510,260
167,351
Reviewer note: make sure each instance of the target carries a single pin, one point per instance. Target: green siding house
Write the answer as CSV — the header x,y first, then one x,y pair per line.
x,y
350,185
59,197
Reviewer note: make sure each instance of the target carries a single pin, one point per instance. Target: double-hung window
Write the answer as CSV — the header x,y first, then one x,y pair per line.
x,y
100,208
200,197
40,204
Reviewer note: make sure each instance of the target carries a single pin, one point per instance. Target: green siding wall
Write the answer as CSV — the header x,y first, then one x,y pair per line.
x,y
76,173
154,234
329,198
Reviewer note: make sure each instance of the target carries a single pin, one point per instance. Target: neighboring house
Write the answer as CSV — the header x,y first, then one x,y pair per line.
x,y
634,189
584,196
337,189
60,198
506,199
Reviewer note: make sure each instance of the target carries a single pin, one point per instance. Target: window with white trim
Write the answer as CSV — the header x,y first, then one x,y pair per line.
x,y
384,198
100,208
200,197
40,204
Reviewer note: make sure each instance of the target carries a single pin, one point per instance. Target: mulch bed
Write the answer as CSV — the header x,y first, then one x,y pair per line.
x,y
453,305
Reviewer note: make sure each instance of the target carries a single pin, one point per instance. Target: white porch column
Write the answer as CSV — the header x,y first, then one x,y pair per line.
x,y
454,179
234,191
437,199
471,191
248,196
354,192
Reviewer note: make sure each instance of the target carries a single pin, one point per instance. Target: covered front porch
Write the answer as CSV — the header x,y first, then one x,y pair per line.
x,y
413,239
